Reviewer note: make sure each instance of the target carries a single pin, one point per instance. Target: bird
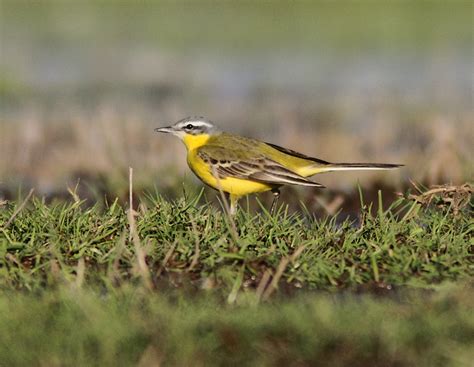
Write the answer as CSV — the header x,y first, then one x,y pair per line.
x,y
240,166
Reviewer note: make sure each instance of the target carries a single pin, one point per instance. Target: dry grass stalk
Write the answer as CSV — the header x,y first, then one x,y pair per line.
x,y
19,209
195,259
225,203
168,255
142,266
13,259
280,270
262,285
80,273
73,192
456,197
331,207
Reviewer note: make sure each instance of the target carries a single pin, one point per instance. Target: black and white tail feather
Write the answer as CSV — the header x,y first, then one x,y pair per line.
x,y
326,166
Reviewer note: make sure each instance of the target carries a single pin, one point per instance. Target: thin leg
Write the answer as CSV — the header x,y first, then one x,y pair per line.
x,y
233,204
276,196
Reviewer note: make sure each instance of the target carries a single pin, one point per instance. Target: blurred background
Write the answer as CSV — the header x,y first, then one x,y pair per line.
x,y
83,84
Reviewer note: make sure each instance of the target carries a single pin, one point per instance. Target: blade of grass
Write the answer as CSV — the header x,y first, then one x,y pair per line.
x,y
19,209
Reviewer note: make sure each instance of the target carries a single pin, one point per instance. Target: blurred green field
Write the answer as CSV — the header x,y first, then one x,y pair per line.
x,y
179,282
70,326
243,25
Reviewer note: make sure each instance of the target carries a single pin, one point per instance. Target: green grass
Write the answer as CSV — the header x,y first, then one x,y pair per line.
x,y
71,327
419,247
178,284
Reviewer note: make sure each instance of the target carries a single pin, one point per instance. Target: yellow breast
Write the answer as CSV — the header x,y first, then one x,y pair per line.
x,y
233,186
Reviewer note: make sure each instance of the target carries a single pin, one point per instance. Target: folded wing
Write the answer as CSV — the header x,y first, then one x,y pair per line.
x,y
259,169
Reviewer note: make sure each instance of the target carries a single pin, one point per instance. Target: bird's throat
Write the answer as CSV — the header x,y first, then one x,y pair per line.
x,y
195,141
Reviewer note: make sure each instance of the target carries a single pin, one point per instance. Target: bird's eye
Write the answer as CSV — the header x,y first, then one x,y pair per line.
x,y
189,126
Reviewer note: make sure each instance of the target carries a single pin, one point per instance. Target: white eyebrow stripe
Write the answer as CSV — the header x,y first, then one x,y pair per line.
x,y
196,124
200,124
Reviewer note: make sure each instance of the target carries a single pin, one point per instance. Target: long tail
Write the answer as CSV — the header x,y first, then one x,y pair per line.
x,y
355,166
307,169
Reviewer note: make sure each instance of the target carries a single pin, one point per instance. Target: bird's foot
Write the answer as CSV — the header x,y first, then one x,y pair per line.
x,y
276,196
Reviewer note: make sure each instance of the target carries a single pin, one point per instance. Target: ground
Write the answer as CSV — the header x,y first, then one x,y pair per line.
x,y
180,283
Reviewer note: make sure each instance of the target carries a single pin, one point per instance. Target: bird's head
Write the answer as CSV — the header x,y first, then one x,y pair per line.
x,y
190,126
193,131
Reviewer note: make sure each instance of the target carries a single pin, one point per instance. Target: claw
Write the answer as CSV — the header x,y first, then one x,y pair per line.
x,y
276,196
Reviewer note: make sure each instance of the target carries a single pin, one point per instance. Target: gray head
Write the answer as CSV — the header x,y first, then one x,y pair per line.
x,y
190,126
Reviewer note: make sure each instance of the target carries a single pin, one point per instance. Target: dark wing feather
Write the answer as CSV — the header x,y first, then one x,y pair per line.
x,y
275,173
297,154
259,169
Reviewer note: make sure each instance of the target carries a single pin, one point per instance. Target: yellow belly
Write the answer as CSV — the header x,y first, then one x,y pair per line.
x,y
233,186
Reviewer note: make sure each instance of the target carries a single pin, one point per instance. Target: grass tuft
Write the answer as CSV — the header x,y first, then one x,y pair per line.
x,y
169,283
409,243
